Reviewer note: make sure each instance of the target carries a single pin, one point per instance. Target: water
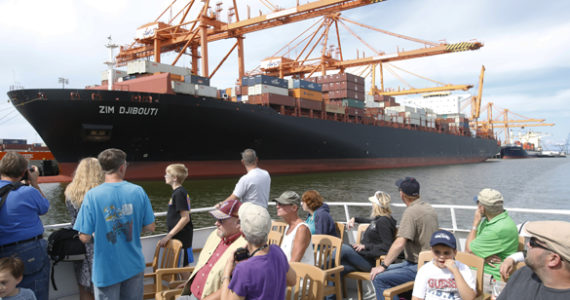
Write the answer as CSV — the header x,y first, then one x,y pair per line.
x,y
527,183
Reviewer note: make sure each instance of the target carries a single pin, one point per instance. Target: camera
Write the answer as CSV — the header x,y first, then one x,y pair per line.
x,y
28,171
241,254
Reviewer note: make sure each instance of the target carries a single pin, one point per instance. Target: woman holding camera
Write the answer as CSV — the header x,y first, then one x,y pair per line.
x,y
257,271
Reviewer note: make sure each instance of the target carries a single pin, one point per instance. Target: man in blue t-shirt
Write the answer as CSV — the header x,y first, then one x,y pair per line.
x,y
115,213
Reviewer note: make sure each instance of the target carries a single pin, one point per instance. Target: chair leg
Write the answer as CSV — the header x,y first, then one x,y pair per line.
x,y
359,288
338,288
344,294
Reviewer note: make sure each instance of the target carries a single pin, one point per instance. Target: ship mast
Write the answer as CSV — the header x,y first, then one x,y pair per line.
x,y
110,63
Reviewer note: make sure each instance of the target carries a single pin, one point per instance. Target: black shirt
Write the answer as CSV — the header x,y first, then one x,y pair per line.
x,y
180,201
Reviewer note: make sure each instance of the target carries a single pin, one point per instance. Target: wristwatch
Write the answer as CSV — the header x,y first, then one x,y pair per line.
x,y
384,265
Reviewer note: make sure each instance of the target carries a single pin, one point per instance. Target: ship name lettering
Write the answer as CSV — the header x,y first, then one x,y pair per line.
x,y
104,109
146,111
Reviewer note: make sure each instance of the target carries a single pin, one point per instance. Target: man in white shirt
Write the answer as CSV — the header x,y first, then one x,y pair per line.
x,y
253,186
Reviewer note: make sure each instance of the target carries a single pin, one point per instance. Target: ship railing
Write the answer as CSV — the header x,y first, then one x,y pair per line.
x,y
453,212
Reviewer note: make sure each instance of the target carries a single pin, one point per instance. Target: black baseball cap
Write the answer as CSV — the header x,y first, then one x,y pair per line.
x,y
409,185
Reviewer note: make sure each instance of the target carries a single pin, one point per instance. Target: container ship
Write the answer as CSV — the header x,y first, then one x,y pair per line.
x,y
159,118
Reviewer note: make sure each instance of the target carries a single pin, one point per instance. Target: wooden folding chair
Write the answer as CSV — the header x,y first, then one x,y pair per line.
x,y
310,282
358,275
164,257
169,294
340,227
274,238
278,226
327,257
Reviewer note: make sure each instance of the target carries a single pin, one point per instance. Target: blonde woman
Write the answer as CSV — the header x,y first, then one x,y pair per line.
x,y
375,241
87,176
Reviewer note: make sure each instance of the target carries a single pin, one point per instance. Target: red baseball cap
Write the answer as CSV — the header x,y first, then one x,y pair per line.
x,y
227,210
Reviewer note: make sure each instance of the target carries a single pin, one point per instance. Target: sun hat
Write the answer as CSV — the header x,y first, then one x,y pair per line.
x,y
288,197
228,209
489,197
554,234
254,219
409,185
443,237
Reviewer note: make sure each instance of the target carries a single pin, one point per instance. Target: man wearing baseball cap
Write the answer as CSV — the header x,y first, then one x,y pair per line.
x,y
494,234
418,223
547,271
206,280
444,277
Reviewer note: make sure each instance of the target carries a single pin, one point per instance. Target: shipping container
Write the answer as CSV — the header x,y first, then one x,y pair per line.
x,y
13,141
146,66
303,84
342,94
348,77
259,89
306,94
309,104
268,80
116,74
335,107
195,79
275,99
183,87
206,91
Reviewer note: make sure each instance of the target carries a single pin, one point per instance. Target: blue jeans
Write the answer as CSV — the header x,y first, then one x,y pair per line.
x,y
395,274
352,261
36,265
130,289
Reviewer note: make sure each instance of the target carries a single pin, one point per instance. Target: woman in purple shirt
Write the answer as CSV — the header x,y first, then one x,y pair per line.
x,y
257,271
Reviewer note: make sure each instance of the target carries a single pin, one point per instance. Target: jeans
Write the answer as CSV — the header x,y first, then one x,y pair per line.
x,y
395,274
352,261
36,265
130,289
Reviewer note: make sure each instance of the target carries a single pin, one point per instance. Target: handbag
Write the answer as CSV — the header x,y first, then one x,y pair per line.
x,y
64,245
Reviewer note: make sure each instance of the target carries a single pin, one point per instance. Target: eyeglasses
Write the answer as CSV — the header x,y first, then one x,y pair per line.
x,y
532,242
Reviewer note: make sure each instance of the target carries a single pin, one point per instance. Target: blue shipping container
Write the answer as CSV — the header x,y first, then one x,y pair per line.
x,y
303,84
195,79
268,80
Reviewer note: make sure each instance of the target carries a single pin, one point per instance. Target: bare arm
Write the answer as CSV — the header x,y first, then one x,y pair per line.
x,y
217,295
184,219
149,228
291,277
473,233
84,238
416,298
300,244
226,293
33,180
395,250
466,292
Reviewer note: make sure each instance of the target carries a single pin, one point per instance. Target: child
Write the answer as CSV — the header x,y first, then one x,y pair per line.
x,y
444,277
11,274
178,218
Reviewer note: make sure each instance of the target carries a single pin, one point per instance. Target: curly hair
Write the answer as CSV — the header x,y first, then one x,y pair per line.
x,y
87,176
313,199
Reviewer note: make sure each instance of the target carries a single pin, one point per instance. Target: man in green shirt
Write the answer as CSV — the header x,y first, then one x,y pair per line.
x,y
494,233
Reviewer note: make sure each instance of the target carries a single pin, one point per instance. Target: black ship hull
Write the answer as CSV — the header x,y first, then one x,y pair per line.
x,y
208,134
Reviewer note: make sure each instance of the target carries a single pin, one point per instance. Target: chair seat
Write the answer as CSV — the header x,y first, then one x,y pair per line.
x,y
358,275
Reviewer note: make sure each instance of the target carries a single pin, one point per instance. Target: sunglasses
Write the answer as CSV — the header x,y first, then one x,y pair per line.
x,y
533,243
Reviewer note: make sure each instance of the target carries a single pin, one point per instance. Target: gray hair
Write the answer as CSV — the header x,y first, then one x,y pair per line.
x,y
493,210
258,239
249,157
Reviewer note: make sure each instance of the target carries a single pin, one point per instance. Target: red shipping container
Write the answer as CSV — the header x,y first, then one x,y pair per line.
x,y
341,94
352,111
310,104
266,99
346,85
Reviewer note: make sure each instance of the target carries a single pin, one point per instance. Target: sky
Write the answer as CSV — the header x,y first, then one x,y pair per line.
x,y
525,49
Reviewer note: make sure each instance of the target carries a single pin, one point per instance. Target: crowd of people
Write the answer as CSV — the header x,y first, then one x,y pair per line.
x,y
236,261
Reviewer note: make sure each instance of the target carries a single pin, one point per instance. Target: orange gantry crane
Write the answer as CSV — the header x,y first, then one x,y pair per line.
x,y
503,121
157,37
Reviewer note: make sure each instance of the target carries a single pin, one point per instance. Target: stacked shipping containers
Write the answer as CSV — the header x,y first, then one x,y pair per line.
x,y
307,94
343,90
266,90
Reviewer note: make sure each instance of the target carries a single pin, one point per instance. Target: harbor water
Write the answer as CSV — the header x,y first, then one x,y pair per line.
x,y
534,183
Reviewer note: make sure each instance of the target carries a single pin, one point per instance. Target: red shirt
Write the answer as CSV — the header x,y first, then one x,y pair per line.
x,y
200,278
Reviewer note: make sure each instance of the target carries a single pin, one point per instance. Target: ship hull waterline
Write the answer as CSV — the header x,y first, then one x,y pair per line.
x,y
208,134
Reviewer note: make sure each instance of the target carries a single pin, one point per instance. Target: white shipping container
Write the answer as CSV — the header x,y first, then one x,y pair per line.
x,y
116,75
207,91
145,66
183,88
244,98
259,89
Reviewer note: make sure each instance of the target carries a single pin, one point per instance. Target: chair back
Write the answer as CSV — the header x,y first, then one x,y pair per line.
x,y
278,226
274,238
340,229
327,250
476,262
521,244
167,256
360,232
309,283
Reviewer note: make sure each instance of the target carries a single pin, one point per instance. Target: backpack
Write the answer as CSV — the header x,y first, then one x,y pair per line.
x,y
5,190
64,245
